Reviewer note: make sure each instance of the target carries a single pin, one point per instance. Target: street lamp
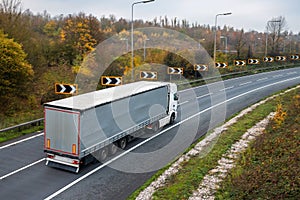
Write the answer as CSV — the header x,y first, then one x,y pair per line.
x,y
145,48
215,37
224,37
266,49
255,44
125,39
132,54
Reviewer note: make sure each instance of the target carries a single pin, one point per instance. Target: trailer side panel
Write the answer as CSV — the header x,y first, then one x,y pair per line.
x,y
109,121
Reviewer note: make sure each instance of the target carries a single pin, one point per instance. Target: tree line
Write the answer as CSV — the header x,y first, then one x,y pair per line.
x,y
44,44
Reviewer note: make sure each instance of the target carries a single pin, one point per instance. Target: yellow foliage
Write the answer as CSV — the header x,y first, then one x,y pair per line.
x,y
279,116
62,35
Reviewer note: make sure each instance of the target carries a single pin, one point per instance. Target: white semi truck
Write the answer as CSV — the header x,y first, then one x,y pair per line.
x,y
96,124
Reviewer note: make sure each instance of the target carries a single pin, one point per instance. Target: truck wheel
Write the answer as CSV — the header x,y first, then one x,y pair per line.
x,y
103,153
172,119
155,127
113,149
122,143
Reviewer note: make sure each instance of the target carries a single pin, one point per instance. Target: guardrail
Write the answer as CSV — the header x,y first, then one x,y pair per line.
x,y
236,73
39,121
20,126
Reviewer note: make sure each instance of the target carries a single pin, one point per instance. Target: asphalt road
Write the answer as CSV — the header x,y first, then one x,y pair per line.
x,y
23,174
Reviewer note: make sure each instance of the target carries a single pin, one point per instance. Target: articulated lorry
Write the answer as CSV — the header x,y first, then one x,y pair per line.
x,y
93,125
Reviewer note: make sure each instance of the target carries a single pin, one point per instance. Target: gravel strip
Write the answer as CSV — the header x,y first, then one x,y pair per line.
x,y
212,180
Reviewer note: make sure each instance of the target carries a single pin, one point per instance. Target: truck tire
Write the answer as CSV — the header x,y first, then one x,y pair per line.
x,y
122,143
155,127
172,119
102,154
113,148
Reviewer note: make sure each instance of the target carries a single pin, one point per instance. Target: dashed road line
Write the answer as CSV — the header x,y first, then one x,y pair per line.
x,y
228,88
180,104
21,169
262,79
204,95
245,83
20,141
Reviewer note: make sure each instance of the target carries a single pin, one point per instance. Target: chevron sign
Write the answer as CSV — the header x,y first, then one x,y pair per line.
x,y
295,57
268,59
240,62
148,75
280,58
201,68
175,70
111,80
66,88
221,65
253,61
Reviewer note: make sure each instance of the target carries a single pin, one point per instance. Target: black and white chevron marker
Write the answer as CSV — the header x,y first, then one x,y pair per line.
x,y
148,75
268,59
221,65
201,68
175,70
295,57
66,88
253,61
111,80
280,58
240,62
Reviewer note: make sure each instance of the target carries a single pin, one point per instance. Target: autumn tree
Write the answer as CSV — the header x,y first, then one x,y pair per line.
x,y
77,39
240,43
276,27
15,71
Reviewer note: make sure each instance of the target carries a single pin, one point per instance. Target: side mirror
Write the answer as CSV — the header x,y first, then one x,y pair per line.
x,y
176,97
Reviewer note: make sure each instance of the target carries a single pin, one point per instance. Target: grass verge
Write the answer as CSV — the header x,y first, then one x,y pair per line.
x,y
9,135
270,169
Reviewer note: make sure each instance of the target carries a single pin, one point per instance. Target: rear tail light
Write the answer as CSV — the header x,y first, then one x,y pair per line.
x,y
75,162
50,156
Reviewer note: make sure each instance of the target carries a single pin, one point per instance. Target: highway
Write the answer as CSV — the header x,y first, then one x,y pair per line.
x,y
23,174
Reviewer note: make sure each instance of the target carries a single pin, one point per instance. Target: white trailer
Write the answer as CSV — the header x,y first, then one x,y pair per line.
x,y
96,124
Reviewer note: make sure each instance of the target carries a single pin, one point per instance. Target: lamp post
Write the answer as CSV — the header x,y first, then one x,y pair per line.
x,y
132,53
125,39
224,37
266,48
215,37
145,48
255,44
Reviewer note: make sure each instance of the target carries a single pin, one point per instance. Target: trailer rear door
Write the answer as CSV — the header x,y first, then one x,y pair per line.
x,y
62,131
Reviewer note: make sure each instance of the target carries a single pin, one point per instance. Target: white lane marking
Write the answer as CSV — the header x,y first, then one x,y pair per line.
x,y
228,88
276,76
183,103
262,79
147,140
245,83
20,141
18,170
204,95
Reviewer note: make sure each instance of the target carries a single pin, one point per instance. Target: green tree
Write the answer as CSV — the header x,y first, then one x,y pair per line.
x,y
15,72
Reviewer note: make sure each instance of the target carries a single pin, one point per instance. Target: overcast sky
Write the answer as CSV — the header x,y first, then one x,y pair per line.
x,y
247,14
